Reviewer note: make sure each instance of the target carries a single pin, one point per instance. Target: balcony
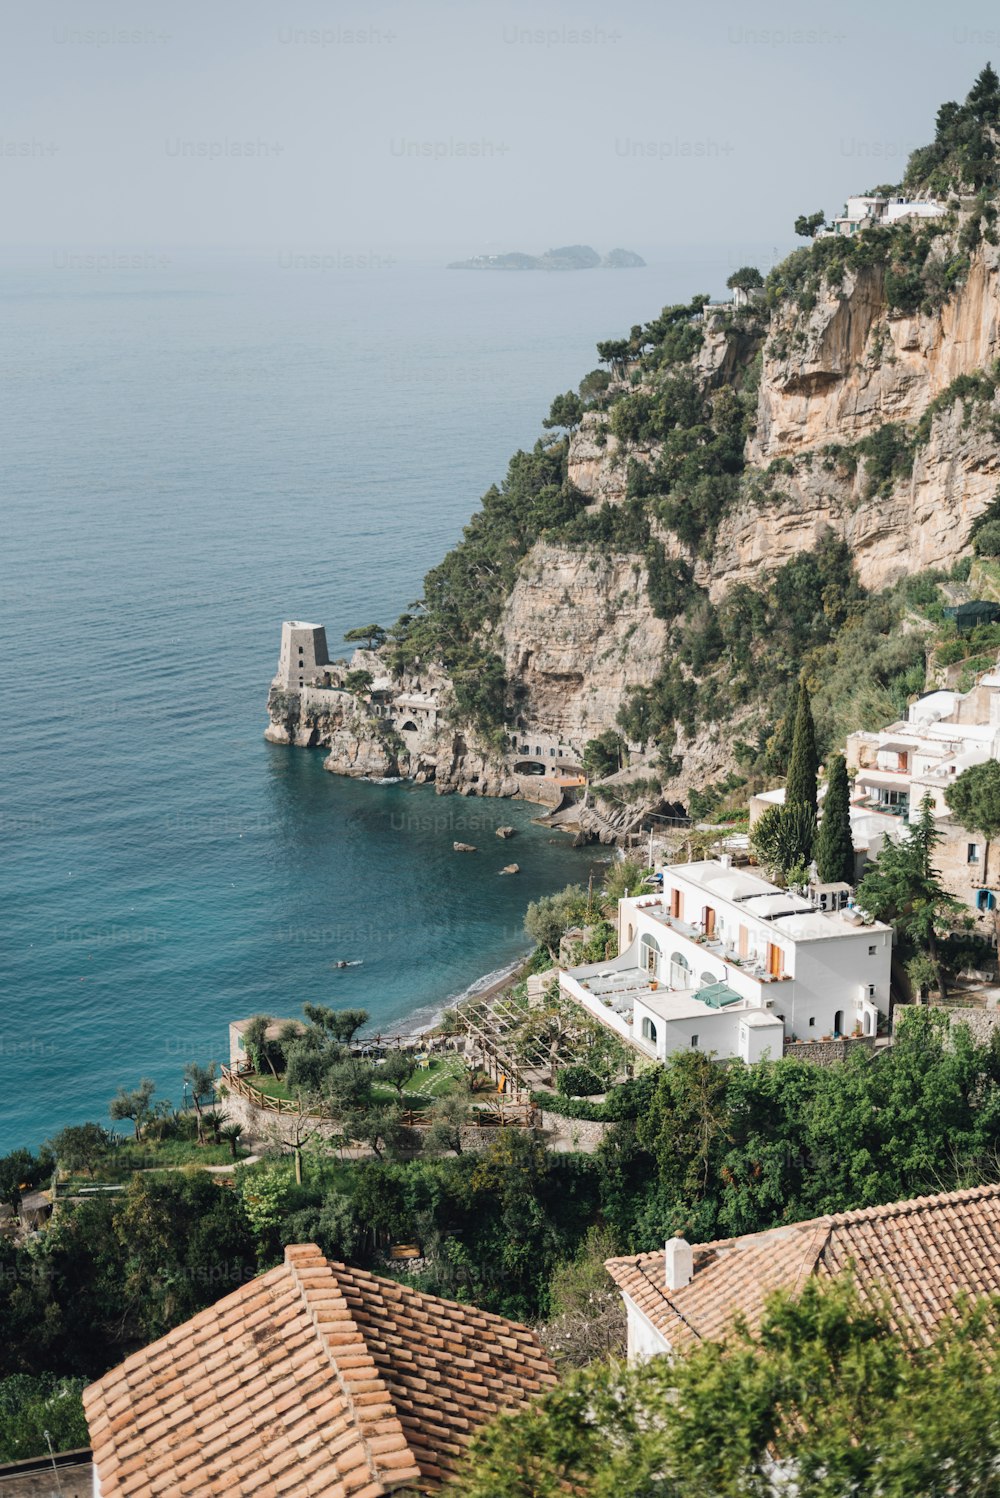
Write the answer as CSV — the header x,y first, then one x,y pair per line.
x,y
716,946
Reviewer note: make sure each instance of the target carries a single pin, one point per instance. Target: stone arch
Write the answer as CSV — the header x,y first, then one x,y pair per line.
x,y
529,767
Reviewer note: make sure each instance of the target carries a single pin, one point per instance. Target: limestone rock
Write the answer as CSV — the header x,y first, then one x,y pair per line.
x,y
505,832
463,847
577,631
511,868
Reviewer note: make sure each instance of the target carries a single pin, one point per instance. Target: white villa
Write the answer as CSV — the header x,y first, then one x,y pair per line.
x,y
942,734
726,962
862,212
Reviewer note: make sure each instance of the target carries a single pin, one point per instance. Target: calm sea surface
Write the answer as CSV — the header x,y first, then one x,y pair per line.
x,y
192,452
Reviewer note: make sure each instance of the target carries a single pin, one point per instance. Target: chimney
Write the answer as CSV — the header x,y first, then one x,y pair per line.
x,y
679,1262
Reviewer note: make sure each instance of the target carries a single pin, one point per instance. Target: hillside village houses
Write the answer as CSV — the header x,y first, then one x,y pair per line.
x,y
723,961
942,734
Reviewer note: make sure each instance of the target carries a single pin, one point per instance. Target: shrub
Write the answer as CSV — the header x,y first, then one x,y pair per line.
x,y
579,1081
986,542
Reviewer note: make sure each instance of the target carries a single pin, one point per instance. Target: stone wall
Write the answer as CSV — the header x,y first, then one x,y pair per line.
x,y
826,1052
983,1023
567,1135
263,1127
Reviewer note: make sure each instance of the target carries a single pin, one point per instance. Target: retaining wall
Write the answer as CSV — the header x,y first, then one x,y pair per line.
x,y
262,1125
827,1052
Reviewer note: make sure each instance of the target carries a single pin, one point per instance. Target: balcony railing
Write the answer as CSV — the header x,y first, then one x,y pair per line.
x,y
750,967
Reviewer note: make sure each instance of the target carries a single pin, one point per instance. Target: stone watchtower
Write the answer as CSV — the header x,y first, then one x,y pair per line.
x,y
303,654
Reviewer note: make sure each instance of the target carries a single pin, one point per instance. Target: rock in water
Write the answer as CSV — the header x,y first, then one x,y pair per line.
x,y
505,832
512,868
463,847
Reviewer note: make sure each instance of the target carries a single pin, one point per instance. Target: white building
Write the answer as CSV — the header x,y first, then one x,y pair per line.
x,y
862,212
919,1254
723,961
923,754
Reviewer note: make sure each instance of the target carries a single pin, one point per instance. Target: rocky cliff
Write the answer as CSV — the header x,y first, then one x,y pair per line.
x,y
864,420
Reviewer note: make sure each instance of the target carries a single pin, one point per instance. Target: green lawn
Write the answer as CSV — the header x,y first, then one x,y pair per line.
x,y
158,1154
423,1088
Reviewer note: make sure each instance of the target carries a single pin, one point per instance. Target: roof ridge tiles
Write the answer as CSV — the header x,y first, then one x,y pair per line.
x,y
355,1372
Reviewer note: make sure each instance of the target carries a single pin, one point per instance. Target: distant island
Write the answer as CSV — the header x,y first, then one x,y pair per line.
x,y
569,257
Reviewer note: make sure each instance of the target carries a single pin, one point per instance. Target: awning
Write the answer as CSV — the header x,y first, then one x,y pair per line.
x,y
718,995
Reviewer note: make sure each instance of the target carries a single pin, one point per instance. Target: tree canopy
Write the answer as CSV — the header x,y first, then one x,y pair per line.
x,y
803,763
807,223
826,1399
975,798
834,841
747,278
903,887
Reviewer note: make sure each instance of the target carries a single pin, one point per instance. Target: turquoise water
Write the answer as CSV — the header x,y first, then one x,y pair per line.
x,y
191,454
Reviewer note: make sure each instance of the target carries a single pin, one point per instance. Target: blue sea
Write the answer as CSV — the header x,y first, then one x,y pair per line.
x,y
195,449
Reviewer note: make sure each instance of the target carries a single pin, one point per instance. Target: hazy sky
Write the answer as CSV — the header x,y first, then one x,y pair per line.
x,y
399,124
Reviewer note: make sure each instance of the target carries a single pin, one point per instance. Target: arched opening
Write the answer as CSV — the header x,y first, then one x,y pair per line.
x,y
680,971
529,767
649,955
649,1031
707,978
866,1023
408,727
838,1024
629,934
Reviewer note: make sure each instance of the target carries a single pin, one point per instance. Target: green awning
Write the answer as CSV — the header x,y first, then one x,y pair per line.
x,y
718,995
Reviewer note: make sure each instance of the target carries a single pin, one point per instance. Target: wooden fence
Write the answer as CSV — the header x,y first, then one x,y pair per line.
x,y
500,1114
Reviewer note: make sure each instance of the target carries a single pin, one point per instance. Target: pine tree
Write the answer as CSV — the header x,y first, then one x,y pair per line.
x,y
803,763
835,845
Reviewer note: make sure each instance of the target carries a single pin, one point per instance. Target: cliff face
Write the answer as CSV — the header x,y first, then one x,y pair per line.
x,y
576,633
839,373
577,630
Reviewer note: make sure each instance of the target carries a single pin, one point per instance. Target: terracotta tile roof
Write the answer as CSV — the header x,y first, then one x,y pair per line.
x,y
921,1253
313,1379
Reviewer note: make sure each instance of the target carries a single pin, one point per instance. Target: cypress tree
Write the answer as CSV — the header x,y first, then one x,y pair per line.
x,y
834,844
803,763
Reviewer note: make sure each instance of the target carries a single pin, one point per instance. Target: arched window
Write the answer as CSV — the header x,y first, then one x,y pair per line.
x,y
649,1031
649,955
629,934
680,971
707,978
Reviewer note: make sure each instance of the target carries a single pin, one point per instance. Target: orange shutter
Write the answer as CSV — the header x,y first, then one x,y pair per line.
x,y
744,941
775,961
708,921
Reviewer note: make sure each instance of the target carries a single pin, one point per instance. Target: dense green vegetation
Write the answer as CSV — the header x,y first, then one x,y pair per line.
x,y
715,1148
963,155
37,1410
826,1384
